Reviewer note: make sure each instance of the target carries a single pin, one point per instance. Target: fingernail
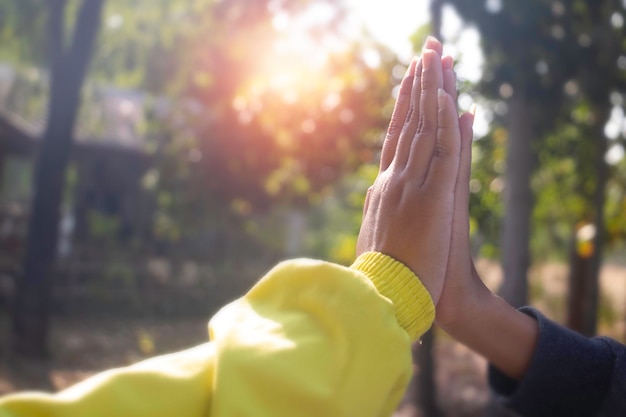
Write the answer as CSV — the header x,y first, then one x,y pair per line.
x,y
447,62
441,98
426,44
427,59
431,38
472,111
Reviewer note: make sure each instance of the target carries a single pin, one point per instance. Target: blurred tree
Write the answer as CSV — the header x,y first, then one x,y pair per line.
x,y
68,58
250,105
517,42
548,54
599,76
541,61
21,24
269,105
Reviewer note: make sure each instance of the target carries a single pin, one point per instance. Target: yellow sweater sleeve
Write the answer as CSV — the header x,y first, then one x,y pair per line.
x,y
309,339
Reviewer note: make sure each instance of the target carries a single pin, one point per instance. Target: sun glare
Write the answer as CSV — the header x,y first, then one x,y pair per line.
x,y
391,21
301,50
296,66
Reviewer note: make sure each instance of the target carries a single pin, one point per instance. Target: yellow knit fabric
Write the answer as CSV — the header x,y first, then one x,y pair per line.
x,y
414,306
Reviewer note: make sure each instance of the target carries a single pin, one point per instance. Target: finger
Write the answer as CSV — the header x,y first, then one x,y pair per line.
x,y
423,143
433,44
444,165
461,191
398,117
431,47
449,77
412,121
366,205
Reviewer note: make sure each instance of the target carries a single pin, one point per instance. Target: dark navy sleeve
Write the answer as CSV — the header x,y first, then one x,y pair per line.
x,y
569,375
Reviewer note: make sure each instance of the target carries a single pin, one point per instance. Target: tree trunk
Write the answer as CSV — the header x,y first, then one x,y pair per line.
x,y
426,385
584,268
581,316
518,202
436,13
68,72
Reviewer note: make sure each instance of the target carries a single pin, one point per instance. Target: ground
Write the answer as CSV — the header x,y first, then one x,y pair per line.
x,y
85,346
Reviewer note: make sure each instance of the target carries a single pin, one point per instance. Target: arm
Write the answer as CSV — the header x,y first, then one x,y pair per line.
x,y
468,310
306,340
539,368
505,336
568,375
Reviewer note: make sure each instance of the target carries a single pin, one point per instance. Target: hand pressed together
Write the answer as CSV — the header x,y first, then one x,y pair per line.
x,y
409,210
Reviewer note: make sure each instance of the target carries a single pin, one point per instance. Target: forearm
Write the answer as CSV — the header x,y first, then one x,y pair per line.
x,y
569,375
504,336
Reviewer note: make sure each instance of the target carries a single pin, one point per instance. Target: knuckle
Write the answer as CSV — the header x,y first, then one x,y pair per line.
x,y
391,185
426,126
393,127
405,90
444,126
397,123
411,113
388,141
404,86
428,75
441,150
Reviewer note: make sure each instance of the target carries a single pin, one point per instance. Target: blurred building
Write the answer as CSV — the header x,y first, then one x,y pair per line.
x,y
108,162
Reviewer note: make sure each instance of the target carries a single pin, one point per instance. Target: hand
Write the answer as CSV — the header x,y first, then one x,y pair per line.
x,y
409,210
467,309
463,291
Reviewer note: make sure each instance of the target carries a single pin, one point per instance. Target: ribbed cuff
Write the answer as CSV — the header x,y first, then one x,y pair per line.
x,y
415,310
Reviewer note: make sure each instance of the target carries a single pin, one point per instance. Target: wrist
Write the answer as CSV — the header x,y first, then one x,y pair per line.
x,y
463,303
469,316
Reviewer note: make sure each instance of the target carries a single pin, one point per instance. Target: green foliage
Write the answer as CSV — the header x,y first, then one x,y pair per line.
x,y
486,187
335,223
103,227
607,314
256,122
22,26
549,52
616,207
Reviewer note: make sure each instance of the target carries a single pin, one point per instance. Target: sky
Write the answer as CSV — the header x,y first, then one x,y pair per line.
x,y
392,22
